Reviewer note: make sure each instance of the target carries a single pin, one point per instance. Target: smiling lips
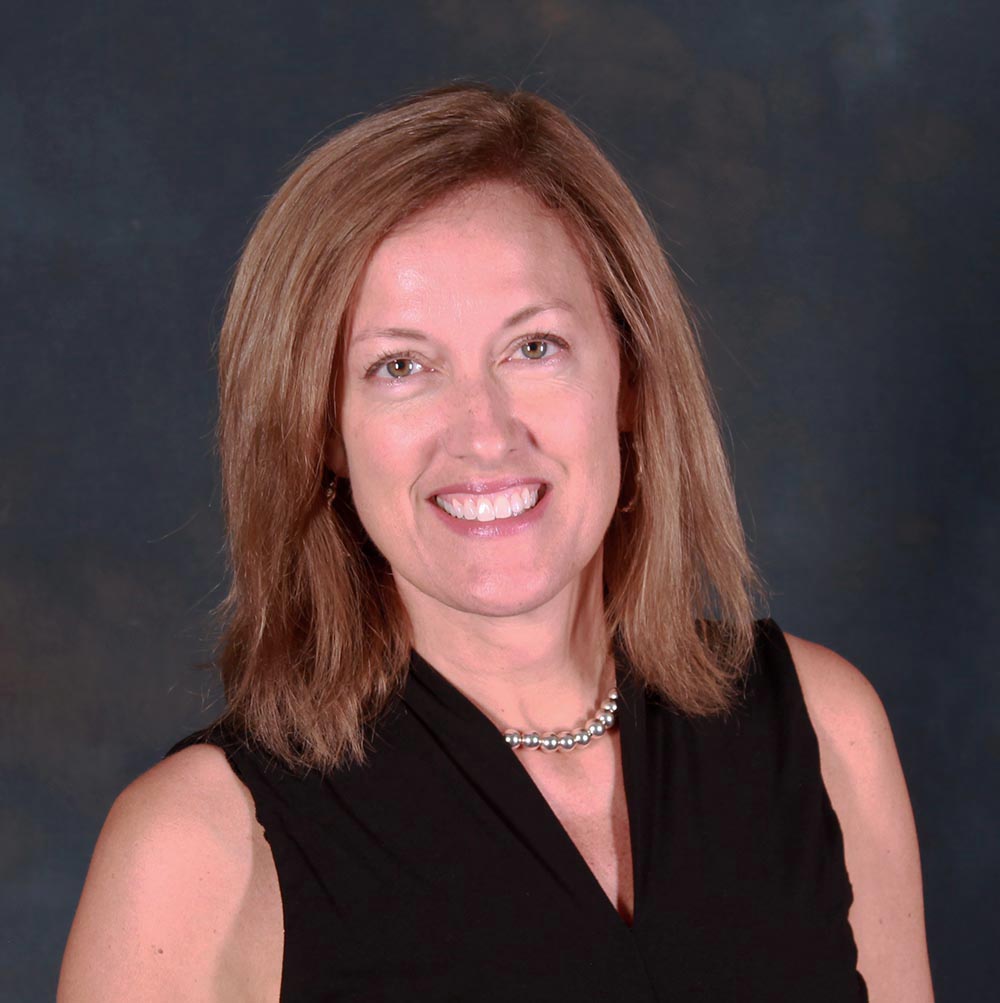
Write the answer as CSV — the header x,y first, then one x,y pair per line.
x,y
485,507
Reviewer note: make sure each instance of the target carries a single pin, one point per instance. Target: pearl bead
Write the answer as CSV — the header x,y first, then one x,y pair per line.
x,y
566,740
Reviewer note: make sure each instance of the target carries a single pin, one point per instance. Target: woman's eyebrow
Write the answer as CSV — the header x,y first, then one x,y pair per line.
x,y
530,311
369,333
366,334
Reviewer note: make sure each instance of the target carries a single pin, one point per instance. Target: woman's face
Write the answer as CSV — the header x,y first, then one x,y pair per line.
x,y
478,405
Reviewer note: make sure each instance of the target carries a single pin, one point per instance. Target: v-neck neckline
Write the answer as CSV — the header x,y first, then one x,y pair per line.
x,y
503,780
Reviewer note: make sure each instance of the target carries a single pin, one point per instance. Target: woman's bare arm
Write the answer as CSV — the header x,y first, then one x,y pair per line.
x,y
178,904
863,776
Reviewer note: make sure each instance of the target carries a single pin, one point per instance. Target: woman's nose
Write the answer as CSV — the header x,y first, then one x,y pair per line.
x,y
481,423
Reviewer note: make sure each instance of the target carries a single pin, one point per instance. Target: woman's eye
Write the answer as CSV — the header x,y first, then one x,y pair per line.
x,y
538,348
396,368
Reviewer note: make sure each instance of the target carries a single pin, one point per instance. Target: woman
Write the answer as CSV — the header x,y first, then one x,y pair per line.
x,y
500,721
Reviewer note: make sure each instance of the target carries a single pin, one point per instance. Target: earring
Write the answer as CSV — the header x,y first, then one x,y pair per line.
x,y
632,458
330,488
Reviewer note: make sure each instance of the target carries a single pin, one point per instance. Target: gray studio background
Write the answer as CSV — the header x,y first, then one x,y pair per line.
x,y
822,175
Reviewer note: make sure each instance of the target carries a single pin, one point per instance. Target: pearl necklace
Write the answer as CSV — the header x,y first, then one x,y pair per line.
x,y
565,741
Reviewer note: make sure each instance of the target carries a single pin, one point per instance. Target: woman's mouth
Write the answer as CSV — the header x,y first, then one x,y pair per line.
x,y
509,504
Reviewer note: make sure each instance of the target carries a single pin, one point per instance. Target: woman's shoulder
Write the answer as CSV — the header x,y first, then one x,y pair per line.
x,y
842,705
192,791
865,783
845,710
857,751
180,893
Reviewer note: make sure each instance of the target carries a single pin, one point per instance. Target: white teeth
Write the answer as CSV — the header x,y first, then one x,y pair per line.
x,y
488,508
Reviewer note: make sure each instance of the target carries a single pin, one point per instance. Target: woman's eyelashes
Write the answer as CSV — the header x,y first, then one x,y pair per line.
x,y
396,366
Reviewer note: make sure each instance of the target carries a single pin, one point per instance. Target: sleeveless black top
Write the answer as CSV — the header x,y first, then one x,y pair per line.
x,y
438,871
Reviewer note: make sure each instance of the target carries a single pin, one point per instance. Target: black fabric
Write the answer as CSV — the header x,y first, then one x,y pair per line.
x,y
438,871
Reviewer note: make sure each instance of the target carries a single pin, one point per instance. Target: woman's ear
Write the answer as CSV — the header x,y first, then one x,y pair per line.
x,y
336,456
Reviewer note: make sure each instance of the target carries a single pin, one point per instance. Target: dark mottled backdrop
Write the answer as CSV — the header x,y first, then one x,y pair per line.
x,y
822,175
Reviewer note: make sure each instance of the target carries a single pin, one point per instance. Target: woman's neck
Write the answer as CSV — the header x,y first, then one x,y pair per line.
x,y
545,669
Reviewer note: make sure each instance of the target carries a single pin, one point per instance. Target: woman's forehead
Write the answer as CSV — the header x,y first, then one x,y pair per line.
x,y
492,243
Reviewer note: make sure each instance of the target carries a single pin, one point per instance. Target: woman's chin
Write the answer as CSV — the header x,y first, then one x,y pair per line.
x,y
498,595
498,607
510,602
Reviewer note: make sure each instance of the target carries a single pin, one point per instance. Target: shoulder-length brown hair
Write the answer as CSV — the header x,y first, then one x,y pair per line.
x,y
315,641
